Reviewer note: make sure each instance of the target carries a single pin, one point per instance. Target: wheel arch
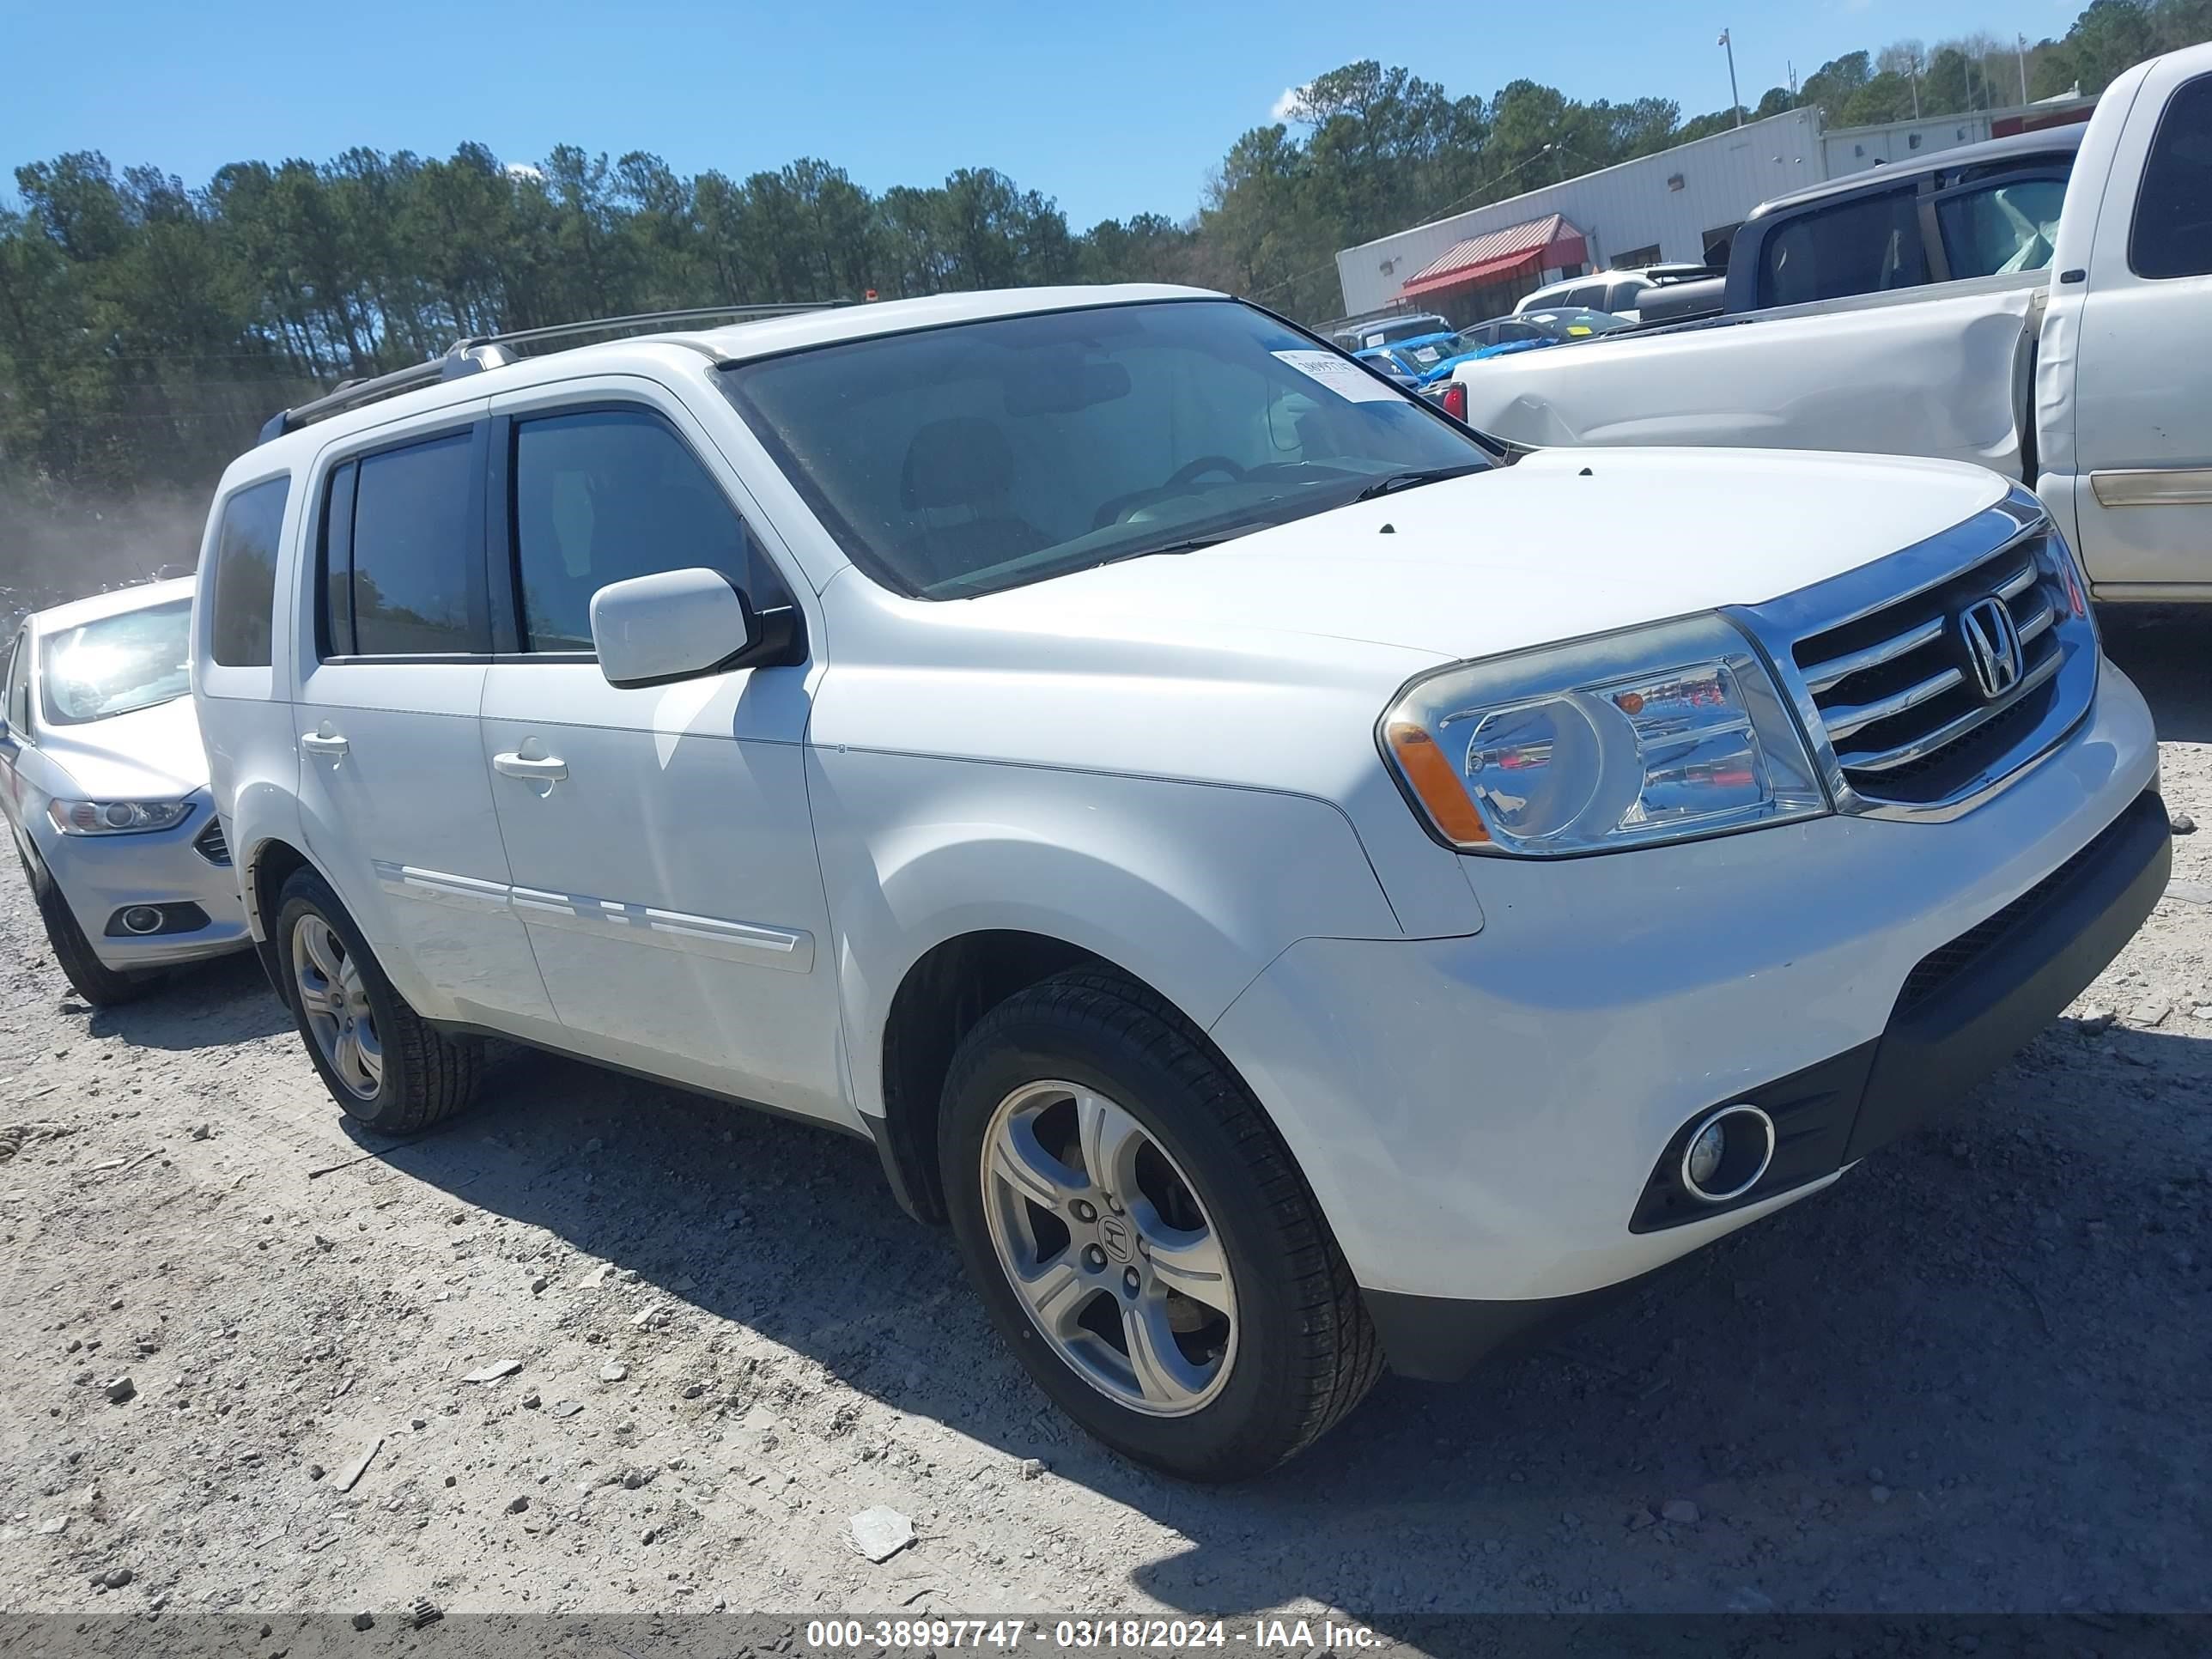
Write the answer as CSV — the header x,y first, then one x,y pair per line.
x,y
942,997
268,866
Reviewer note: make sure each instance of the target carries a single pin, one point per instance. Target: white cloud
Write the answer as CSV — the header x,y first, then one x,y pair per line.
x,y
524,170
1285,108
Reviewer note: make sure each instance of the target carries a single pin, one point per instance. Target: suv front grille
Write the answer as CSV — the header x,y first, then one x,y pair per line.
x,y
1926,677
210,844
1900,694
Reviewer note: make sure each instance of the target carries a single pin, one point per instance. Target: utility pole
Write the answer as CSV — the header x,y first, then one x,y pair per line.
x,y
1912,74
2019,47
1735,101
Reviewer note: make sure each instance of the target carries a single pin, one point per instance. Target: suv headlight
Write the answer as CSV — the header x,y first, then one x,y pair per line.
x,y
117,817
1656,734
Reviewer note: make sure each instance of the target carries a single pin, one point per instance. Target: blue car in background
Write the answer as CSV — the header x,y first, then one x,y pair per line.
x,y
1414,357
1529,330
1388,367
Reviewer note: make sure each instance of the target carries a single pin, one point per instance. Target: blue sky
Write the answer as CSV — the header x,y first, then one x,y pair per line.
x,y
1111,108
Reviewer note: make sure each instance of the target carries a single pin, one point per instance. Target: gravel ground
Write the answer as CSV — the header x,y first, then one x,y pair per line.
x,y
1972,1376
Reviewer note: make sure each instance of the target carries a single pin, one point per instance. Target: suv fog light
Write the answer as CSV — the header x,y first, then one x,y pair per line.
x,y
1728,1153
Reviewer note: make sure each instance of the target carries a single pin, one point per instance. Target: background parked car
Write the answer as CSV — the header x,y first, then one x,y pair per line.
x,y
1502,335
104,784
1620,292
1383,363
1388,331
1414,357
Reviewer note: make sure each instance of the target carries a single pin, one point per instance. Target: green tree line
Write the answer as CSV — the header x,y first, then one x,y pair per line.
x,y
148,326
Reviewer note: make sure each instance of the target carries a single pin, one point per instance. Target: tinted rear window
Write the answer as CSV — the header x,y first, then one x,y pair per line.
x,y
1865,247
245,575
416,582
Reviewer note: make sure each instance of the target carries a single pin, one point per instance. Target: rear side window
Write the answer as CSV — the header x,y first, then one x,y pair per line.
x,y
1590,294
1865,247
403,553
606,494
2172,232
2002,226
245,575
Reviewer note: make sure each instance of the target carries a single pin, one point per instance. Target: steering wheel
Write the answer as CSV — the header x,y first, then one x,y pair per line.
x,y
1191,472
1114,511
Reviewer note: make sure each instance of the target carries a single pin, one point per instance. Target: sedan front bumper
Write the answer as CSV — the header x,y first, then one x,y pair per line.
x,y
102,875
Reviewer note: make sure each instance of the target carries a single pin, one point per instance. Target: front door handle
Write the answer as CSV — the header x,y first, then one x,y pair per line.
x,y
326,743
540,769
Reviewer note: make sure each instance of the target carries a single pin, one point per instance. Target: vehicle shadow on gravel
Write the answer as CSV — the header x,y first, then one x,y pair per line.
x,y
1898,1394
206,1004
2165,651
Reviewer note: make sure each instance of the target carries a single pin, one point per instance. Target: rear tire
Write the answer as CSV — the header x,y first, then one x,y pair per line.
x,y
1269,1346
101,986
387,1067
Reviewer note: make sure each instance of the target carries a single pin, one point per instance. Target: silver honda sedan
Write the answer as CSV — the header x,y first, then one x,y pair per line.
x,y
104,784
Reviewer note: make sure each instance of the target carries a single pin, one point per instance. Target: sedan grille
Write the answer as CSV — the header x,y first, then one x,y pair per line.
x,y
210,845
1927,678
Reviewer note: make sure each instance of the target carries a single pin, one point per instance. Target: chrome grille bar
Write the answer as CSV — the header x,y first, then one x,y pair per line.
x,y
1827,676
1928,742
1842,719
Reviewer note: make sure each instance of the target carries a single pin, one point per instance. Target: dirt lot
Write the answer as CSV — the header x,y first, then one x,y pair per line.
x,y
1976,1375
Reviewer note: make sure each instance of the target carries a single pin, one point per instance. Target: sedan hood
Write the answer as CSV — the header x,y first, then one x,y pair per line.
x,y
149,754
1569,543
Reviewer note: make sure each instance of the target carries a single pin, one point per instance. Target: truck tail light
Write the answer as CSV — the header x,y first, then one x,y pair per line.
x,y
1455,401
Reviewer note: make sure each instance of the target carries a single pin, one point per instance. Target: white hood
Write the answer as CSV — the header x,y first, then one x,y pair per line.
x,y
1569,543
149,754
1266,660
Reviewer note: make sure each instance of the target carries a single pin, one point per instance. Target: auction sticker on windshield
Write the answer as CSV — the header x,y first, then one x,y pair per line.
x,y
1345,377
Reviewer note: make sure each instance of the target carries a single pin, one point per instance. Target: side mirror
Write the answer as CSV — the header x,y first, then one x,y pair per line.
x,y
681,624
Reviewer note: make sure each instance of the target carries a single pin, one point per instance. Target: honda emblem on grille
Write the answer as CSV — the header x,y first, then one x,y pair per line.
x,y
1992,646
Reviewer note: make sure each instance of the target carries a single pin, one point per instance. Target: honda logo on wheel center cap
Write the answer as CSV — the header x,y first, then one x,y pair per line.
x,y
1992,646
1115,1234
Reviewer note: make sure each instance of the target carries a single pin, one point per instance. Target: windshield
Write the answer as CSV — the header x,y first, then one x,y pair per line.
x,y
109,667
956,461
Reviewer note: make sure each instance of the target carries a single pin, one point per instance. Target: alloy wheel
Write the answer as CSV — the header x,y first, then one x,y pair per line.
x,y
1105,1243
328,982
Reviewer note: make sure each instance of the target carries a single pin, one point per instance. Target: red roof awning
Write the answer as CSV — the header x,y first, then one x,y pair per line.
x,y
1550,241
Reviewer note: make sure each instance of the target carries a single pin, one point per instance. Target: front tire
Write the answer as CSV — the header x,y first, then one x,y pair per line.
x,y
1140,1237
101,986
387,1067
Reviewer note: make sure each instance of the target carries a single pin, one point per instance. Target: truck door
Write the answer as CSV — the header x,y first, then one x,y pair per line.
x,y
2142,392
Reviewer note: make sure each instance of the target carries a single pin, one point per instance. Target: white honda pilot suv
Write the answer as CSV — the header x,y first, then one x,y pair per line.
x,y
1295,893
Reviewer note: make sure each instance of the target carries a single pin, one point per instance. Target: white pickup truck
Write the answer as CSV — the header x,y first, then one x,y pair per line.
x,y
2090,379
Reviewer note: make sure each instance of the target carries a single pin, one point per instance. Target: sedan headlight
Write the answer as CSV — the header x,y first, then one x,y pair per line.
x,y
117,817
1656,734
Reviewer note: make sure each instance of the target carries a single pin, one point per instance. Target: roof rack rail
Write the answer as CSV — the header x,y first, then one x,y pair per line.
x,y
479,352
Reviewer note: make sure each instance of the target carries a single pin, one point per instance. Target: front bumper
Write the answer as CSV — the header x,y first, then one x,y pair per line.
x,y
101,875
1481,1119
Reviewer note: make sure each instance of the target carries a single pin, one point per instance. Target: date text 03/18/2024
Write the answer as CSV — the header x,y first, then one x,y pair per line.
x,y
1008,1635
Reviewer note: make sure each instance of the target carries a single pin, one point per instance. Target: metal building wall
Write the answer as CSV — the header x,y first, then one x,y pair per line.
x,y
1619,209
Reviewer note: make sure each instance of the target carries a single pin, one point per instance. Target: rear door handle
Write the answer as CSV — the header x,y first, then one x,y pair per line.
x,y
548,769
324,743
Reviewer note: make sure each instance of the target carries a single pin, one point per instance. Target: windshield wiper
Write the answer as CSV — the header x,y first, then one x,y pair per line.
x,y
1398,481
1195,544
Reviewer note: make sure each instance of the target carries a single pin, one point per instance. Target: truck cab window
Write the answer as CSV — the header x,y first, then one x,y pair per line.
x,y
1869,246
2172,231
